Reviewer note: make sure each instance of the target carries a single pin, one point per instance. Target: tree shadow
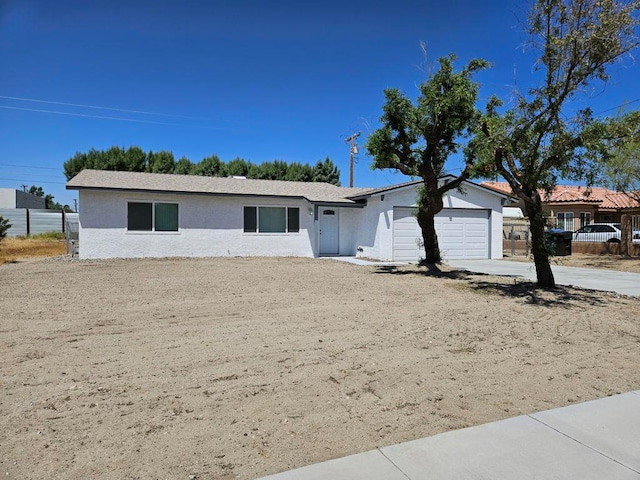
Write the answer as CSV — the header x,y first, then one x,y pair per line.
x,y
534,295
430,270
506,286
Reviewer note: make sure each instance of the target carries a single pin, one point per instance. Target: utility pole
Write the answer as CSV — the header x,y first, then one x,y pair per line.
x,y
75,205
353,150
24,187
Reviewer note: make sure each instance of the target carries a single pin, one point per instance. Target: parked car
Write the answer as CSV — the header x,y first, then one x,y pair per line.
x,y
602,232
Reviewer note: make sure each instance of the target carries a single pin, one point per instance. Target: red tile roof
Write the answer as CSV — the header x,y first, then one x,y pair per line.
x,y
607,199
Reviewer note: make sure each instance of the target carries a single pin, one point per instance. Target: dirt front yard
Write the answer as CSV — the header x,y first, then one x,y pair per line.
x,y
237,368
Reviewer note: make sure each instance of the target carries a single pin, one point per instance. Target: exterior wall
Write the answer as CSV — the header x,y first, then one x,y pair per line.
x,y
7,198
27,200
576,209
374,237
208,226
12,198
350,226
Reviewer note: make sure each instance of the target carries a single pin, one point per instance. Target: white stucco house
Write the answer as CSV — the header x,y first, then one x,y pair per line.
x,y
129,214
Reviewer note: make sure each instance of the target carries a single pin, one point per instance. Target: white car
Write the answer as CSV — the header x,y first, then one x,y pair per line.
x,y
602,232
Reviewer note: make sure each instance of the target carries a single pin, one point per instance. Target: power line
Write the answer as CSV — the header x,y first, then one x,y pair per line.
x,y
99,108
27,166
94,116
23,180
38,175
617,107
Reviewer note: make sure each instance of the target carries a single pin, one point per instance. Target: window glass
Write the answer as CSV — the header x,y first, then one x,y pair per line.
x,y
565,220
272,220
293,217
585,218
139,216
166,217
250,221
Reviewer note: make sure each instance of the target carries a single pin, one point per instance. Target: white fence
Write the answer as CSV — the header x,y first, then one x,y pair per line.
x,y
31,221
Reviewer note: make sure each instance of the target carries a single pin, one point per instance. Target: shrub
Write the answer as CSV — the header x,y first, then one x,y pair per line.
x,y
4,226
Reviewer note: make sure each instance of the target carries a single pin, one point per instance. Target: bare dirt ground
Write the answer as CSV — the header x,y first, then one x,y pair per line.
x,y
238,368
583,260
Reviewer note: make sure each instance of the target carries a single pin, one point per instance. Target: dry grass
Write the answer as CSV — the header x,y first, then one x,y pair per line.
x,y
12,249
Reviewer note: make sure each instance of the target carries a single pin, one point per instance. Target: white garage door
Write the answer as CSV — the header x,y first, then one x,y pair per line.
x,y
462,234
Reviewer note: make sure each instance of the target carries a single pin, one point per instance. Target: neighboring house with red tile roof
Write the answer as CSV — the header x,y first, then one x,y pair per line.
x,y
571,207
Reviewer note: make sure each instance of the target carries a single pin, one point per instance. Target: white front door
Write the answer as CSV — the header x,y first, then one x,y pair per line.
x,y
328,231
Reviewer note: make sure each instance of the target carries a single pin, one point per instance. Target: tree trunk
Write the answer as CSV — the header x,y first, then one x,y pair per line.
x,y
539,242
426,220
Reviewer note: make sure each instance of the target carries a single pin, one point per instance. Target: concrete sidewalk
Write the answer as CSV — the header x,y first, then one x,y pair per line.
x,y
594,440
625,283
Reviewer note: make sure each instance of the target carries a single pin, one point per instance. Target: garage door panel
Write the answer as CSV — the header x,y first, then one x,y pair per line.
x,y
462,234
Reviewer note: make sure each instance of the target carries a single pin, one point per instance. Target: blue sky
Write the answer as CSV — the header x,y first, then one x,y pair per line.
x,y
253,79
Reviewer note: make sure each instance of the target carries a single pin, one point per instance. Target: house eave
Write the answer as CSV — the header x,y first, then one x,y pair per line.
x,y
346,203
401,186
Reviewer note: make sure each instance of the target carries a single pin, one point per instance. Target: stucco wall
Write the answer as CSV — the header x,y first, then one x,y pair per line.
x,y
374,238
208,226
27,200
7,198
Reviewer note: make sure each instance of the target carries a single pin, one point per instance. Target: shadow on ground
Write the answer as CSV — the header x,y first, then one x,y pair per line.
x,y
506,286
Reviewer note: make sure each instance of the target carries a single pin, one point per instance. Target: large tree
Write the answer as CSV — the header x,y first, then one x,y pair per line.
x,y
326,171
622,169
134,159
418,139
540,139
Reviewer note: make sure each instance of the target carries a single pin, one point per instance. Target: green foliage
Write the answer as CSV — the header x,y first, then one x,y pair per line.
x,y
298,172
326,172
161,162
417,139
184,167
210,166
134,159
238,167
622,168
49,202
4,226
539,139
37,191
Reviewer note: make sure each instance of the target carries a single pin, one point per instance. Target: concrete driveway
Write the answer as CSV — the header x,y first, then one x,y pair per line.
x,y
595,279
594,440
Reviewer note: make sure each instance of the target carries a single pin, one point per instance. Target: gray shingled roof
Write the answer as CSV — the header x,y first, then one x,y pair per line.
x,y
157,182
367,192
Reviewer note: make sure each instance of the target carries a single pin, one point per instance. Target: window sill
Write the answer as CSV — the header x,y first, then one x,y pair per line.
x,y
271,234
145,232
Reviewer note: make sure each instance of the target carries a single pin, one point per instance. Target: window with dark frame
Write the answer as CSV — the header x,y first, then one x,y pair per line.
x,y
271,219
152,217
